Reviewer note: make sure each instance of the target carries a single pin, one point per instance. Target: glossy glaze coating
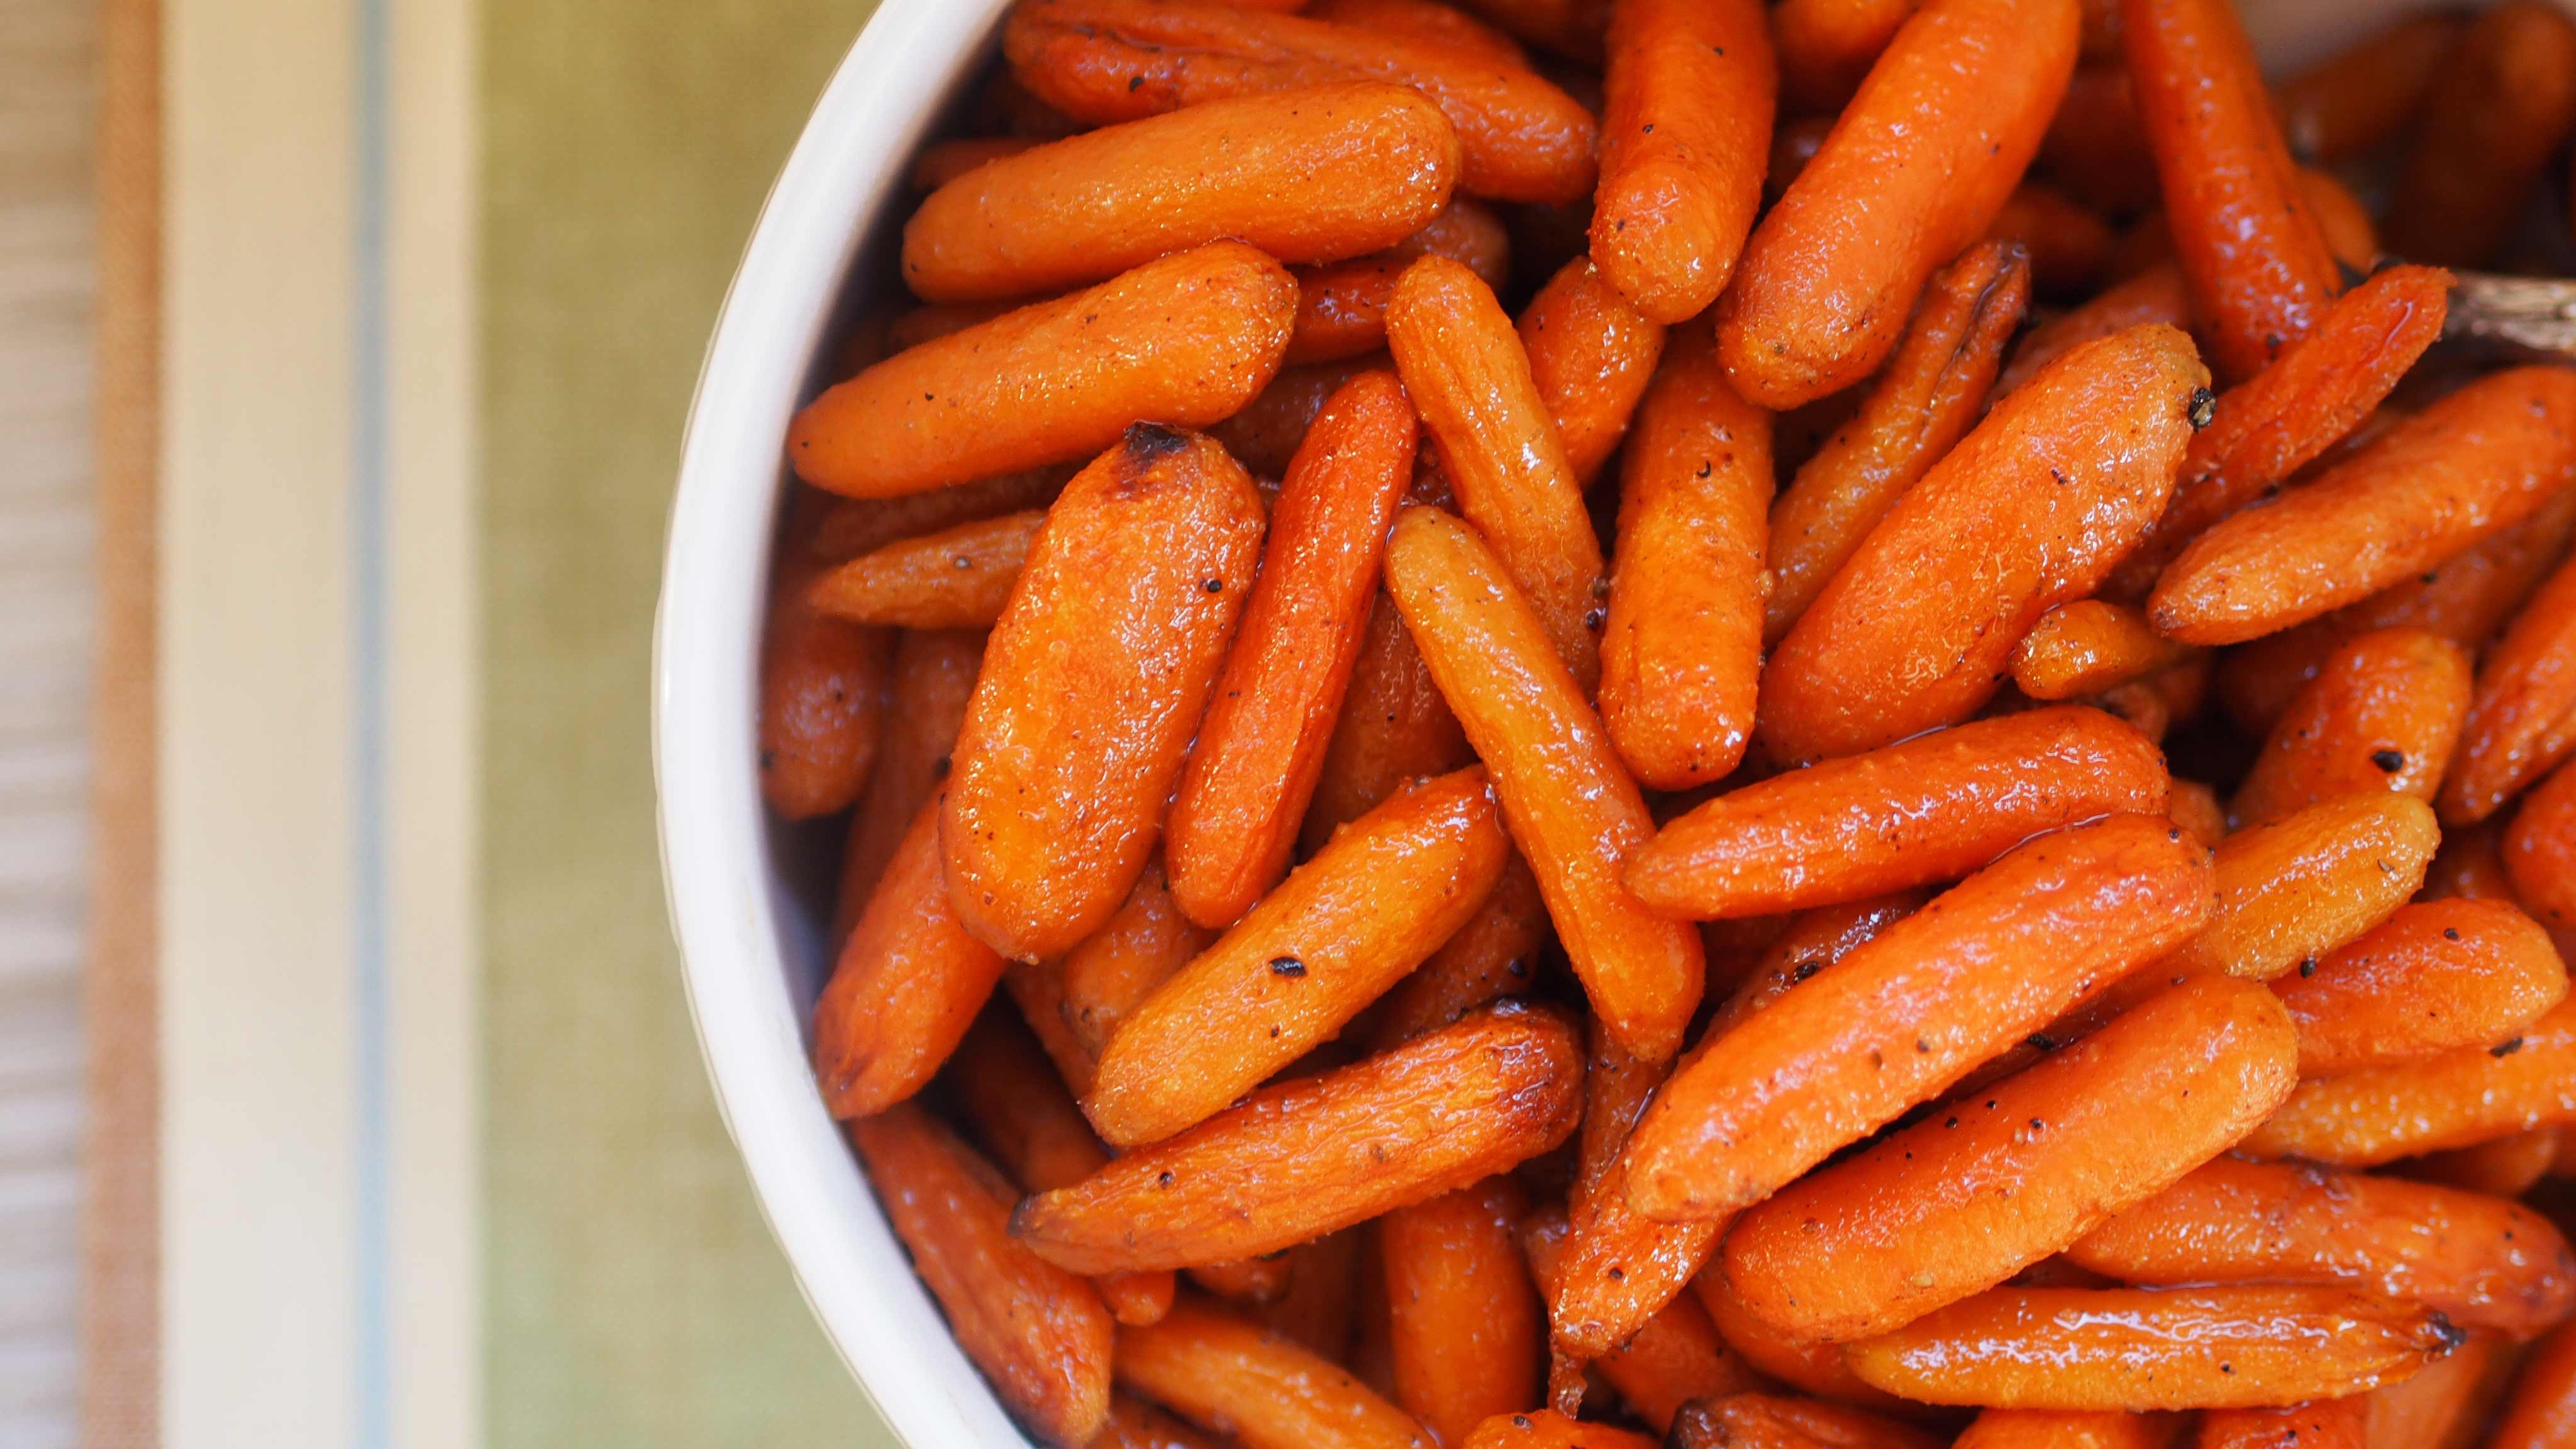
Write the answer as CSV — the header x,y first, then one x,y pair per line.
x,y
1494,955
2295,889
1614,1269
2436,975
1116,967
2089,646
1259,1388
2382,714
2067,1429
2522,718
2452,1099
1685,132
957,578
1341,306
1394,727
2157,294
1591,357
1468,1332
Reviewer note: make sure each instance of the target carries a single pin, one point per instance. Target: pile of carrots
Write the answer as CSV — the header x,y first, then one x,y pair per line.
x,y
1926,805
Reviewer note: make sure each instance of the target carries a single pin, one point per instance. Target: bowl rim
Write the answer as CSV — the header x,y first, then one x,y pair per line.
x,y
728,906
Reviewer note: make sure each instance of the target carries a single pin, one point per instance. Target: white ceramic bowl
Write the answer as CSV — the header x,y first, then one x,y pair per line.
x,y
752,950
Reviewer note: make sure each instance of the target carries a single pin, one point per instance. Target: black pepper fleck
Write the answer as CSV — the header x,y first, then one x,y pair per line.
x,y
1287,966
2204,406
2388,761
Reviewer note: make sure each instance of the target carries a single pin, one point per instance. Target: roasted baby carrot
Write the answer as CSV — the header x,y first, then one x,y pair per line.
x,y
1469,377
2065,1429
2194,806
2540,850
2343,218
2482,1261
1317,1310
1570,804
1037,989
1674,1358
2069,245
2325,1424
2089,646
1468,1330
2499,104
1260,1389
1264,435
2471,465
1906,1015
1925,810
934,674
2157,294
1571,28
1260,749
2314,393
2459,1097
1423,20
1813,940
1116,967
955,579
1493,956
1312,1155
2028,512
1039,1334
2095,148
1813,1368
2131,1348
1247,1282
1964,1199
1341,306
2365,94
2504,1167
1777,1421
2260,272
941,162
1929,394
1548,1429
1394,727
2446,1406
1685,132
1089,696
1919,164
2382,714
853,526
907,985
2293,890
1311,175
2522,717
2541,1412
2433,976
1103,61
1591,356
1182,341
1681,650
1827,46
822,693
1381,896
1135,1424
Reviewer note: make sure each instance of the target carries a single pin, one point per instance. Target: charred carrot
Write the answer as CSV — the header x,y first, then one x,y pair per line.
x,y
2522,717
2291,891
1904,1016
2365,94
2027,513
1685,131
1571,806
1102,61
1184,341
822,695
2382,714
1116,967
2482,1261
2130,1348
2433,976
1777,1421
2194,806
2453,1099
1925,810
2065,1429
1341,307
1312,175
1916,169
1088,697
1468,1330
2089,646
1037,1333
2541,1412
1493,956
955,579
2471,465
1259,1388
1315,1154
1591,356
1381,896
1548,1429
1813,940
1394,727
2540,850
2157,294
2068,244
1681,651
1261,747
934,674
2499,104
1927,397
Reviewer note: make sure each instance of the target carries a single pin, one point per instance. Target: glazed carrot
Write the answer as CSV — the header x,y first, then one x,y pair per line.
x,y
1827,46
1916,169
2065,1429
2471,465
1590,356
2540,850
907,985
2194,806
1037,1333
2089,646
1569,27
1570,805
1331,939
1813,940
1311,175
1185,340
954,579
1423,20
1548,1429
1037,989
2069,245
1493,956
1682,648
1103,61
2499,1167
1468,1328
1088,697
1323,1292
2482,1261
1248,1282
1116,967
1394,727
1260,748
2365,94
2315,392
2096,148
2498,106
1019,1110
934,674
1929,394
1341,306
2522,718
2028,512
2541,1412
2345,222
2449,1404
1308,1156
2382,714
1775,1421
2432,977
2325,1424
1676,1356
1925,810
2295,889
940,319
1685,132
1813,1368
2131,1348
1470,379
1914,1010
1795,140
2156,295
854,526
1257,1387
941,162
1135,1424
2463,599
2454,1099
822,695
1264,435
1957,1203
2260,272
